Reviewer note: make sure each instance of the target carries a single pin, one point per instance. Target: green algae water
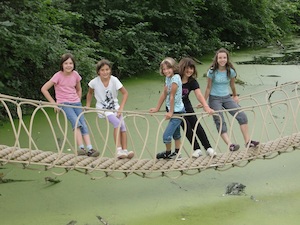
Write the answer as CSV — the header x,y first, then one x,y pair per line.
x,y
272,193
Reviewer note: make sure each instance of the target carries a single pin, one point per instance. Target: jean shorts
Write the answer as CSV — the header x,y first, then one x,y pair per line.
x,y
173,129
72,115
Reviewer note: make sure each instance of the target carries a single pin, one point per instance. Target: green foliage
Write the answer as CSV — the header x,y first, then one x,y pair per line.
x,y
33,36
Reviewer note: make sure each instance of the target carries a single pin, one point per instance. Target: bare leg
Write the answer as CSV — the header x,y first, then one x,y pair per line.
x,y
123,139
177,144
79,139
168,146
244,129
117,137
225,138
87,139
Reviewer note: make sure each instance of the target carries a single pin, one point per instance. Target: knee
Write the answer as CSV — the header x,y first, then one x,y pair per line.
x,y
167,139
242,119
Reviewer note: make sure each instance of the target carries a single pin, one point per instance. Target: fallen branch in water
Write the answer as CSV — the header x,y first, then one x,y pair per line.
x,y
52,180
102,220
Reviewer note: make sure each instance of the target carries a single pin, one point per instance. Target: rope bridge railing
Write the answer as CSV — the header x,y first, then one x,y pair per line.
x,y
44,139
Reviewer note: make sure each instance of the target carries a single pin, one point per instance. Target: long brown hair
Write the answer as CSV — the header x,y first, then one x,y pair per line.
x,y
187,63
214,66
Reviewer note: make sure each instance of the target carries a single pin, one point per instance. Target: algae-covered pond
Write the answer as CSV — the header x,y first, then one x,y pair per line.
x,y
272,193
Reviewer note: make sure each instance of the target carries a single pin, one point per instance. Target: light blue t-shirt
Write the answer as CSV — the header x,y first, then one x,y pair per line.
x,y
220,82
178,104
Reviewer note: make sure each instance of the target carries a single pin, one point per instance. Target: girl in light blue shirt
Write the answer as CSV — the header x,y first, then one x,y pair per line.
x,y
220,77
172,94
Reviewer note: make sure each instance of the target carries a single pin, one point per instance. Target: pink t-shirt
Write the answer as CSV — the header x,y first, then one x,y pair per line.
x,y
65,87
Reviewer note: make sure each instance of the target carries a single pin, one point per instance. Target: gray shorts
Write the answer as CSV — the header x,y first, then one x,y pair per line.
x,y
226,102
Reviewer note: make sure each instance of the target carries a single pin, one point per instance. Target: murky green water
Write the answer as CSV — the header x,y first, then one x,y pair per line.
x,y
273,184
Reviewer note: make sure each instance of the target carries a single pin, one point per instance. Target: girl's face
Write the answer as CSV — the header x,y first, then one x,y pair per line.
x,y
189,71
167,71
68,66
222,59
104,71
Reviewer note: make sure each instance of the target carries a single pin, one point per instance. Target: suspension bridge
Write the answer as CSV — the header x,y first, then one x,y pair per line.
x,y
273,115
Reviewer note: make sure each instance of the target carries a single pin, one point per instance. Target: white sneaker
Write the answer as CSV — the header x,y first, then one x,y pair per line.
x,y
197,153
121,154
130,154
211,152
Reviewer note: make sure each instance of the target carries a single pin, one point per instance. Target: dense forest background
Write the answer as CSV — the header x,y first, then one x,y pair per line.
x,y
134,34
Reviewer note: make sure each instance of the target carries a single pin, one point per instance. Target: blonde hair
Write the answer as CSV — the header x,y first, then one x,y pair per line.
x,y
170,63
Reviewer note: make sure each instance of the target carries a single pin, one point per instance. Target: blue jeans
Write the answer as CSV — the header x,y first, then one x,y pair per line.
x,y
72,115
226,102
173,129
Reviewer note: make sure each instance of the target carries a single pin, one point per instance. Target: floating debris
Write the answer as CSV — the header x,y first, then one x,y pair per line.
x,y
3,181
235,189
52,180
102,220
253,198
72,222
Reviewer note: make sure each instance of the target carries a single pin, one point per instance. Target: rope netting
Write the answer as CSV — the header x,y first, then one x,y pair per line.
x,y
38,138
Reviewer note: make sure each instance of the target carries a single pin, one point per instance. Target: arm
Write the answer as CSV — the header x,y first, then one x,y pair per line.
x,y
234,94
201,99
160,101
78,89
45,90
124,99
174,88
89,97
208,88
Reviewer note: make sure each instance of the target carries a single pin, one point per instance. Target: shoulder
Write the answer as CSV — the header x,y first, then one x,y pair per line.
x,y
76,74
176,77
232,72
194,82
113,77
95,79
57,76
116,82
210,73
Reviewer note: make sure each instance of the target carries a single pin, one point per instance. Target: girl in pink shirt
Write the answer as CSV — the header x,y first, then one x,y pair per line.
x,y
68,91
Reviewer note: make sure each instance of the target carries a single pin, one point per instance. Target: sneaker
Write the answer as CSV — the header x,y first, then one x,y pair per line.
x,y
81,151
234,147
92,153
163,155
175,155
197,153
252,144
211,152
121,154
130,154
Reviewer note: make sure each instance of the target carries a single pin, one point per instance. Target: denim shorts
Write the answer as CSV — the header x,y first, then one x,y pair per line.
x,y
173,129
226,102
72,115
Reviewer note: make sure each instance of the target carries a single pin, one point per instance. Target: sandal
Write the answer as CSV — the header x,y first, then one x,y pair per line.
x,y
234,147
252,144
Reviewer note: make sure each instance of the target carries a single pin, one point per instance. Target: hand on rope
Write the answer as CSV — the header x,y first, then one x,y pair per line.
x,y
56,109
206,108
